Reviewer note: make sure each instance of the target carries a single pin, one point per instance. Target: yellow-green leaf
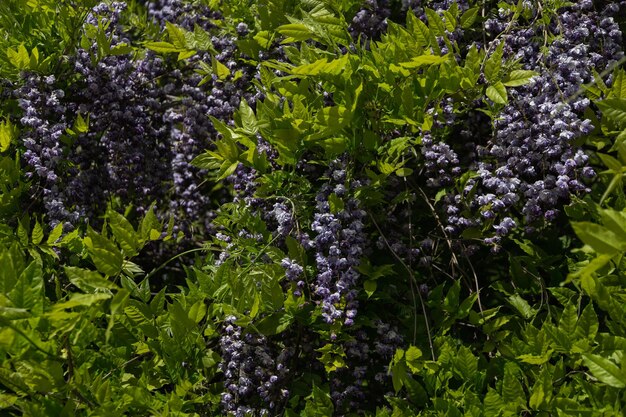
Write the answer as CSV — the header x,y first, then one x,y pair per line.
x,y
497,93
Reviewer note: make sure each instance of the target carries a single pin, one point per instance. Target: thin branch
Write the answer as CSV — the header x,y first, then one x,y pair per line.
x,y
413,290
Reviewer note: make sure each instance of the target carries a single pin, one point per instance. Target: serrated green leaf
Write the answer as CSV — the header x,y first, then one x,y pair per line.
x,y
323,66
20,58
541,391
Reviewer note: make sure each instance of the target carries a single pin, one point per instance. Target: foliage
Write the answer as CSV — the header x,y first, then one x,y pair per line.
x,y
312,208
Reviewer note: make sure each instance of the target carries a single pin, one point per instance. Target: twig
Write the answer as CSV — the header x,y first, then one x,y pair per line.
x,y
413,291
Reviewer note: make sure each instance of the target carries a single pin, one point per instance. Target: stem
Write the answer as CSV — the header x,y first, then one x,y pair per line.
x,y
413,282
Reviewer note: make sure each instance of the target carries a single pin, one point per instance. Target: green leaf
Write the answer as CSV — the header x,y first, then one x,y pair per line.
x,y
542,390
472,60
318,404
512,390
197,311
587,326
150,228
370,286
27,292
420,61
87,280
614,109
412,357
8,134
465,363
605,370
80,124
37,233
435,22
20,58
219,69
519,77
493,65
121,49
323,66
124,233
105,255
55,234
536,359
601,239
493,403
451,301
248,118
176,35
294,32
612,163
569,317
522,306
404,172
79,300
274,323
163,47
497,93
10,269
469,17
615,221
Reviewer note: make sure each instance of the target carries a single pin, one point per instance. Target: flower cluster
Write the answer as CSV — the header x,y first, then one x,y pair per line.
x,y
254,376
533,163
339,243
144,123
